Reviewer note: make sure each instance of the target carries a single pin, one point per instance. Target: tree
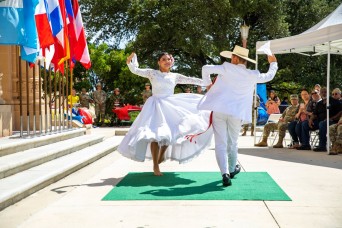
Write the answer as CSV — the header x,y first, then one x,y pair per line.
x,y
195,31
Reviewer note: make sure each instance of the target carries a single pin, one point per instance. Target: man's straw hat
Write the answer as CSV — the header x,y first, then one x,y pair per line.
x,y
239,51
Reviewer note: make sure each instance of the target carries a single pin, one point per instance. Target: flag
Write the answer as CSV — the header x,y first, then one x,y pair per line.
x,y
71,23
43,26
59,30
12,22
18,27
30,44
81,49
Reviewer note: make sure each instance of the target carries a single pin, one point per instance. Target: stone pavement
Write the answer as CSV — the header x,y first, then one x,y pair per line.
x,y
311,179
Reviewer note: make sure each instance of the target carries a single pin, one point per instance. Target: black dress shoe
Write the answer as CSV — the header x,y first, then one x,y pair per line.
x,y
304,148
320,149
236,171
226,180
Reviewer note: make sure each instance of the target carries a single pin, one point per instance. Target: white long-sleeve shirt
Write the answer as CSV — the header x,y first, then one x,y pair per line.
x,y
232,92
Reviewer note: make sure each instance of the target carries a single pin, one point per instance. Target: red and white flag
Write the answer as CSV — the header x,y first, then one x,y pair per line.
x,y
43,25
81,48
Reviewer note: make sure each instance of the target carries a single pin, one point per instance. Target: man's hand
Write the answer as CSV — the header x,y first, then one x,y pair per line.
x,y
129,59
271,58
310,123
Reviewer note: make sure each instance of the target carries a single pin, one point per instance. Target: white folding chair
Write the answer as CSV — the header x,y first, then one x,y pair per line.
x,y
314,138
273,118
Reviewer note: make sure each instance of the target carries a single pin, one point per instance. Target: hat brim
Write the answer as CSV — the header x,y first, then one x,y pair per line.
x,y
228,54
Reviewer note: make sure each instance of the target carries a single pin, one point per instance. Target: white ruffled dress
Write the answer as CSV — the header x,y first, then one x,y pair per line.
x,y
167,118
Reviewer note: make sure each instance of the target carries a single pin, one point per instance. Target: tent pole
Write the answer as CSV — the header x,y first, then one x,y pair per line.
x,y
328,94
255,109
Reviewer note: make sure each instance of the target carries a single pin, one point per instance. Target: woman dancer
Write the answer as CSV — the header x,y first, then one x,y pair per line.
x,y
160,130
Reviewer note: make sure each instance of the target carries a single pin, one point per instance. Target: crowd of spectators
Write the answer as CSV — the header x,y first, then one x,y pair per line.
x,y
306,118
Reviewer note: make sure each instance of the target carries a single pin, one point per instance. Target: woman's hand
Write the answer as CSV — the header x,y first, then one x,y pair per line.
x,y
129,59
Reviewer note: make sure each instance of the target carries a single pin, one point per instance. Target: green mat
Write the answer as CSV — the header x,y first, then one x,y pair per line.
x,y
196,186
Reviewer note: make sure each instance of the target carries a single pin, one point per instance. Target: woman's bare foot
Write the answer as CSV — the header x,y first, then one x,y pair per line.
x,y
157,171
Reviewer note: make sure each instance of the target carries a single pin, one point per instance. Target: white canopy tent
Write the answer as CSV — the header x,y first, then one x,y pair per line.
x,y
323,38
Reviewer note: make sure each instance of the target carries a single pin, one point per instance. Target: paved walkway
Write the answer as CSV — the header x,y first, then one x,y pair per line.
x,y
311,179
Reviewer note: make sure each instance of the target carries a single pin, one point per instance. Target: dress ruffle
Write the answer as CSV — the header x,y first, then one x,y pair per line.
x,y
167,119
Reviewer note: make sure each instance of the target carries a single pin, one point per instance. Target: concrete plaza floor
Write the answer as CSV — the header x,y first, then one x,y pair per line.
x,y
311,179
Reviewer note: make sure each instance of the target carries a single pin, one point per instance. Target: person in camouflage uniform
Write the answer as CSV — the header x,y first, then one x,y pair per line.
x,y
85,99
116,99
147,92
287,116
335,134
99,97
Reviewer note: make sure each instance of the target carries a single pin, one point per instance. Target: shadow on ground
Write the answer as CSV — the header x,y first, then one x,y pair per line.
x,y
105,182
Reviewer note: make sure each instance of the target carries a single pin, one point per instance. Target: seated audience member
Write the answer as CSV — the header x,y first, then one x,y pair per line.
x,y
334,116
147,92
305,111
273,103
335,134
199,90
317,87
287,117
285,101
187,90
283,105
73,98
319,114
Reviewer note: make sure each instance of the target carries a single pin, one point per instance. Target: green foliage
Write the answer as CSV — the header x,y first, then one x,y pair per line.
x,y
195,31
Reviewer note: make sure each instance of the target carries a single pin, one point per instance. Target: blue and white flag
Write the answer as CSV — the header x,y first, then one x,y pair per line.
x,y
12,27
30,45
18,26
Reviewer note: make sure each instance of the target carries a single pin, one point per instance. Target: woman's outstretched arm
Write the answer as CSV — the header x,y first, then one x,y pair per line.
x,y
133,65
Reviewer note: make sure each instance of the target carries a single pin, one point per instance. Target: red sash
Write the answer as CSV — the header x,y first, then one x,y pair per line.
x,y
191,137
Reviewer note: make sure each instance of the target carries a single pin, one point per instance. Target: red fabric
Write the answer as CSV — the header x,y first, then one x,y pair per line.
x,y
43,26
81,49
71,31
191,137
122,113
87,118
62,51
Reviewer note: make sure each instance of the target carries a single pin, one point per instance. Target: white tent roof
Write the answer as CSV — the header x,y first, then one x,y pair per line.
x,y
315,40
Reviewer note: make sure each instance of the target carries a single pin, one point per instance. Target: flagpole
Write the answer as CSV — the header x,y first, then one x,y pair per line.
x,y
20,93
67,95
50,99
40,99
45,99
71,84
63,102
63,88
55,101
59,103
27,100
34,99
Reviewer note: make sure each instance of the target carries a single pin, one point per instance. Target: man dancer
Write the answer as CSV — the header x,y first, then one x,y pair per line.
x,y
230,99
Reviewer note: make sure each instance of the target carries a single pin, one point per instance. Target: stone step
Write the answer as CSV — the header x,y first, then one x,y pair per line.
x,y
121,131
10,145
21,185
20,161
